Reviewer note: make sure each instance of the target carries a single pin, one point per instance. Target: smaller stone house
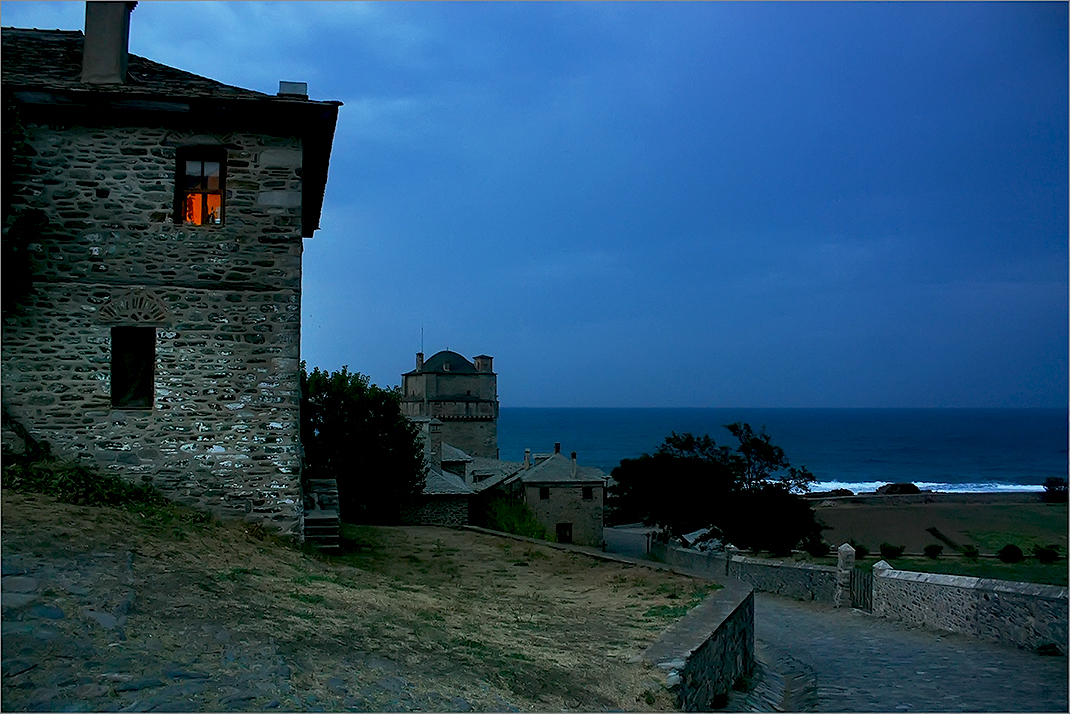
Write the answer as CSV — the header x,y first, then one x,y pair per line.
x,y
567,499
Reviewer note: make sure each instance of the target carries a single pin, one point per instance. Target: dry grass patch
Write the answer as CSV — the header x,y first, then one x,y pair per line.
x,y
461,613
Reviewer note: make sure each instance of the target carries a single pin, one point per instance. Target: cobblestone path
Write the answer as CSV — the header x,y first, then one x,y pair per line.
x,y
847,660
816,658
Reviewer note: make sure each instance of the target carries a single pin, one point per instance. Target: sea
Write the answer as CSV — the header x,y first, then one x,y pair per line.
x,y
948,450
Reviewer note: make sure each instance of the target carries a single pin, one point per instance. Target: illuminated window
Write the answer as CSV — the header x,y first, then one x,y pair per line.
x,y
133,367
200,185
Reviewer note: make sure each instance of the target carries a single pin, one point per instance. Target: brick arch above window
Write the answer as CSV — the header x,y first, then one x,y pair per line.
x,y
134,308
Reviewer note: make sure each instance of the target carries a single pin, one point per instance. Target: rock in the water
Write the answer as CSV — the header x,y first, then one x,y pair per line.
x,y
894,489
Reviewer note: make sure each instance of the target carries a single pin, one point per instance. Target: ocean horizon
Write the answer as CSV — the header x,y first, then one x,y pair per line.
x,y
947,450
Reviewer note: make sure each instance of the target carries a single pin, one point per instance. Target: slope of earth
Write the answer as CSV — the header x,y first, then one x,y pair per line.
x,y
107,610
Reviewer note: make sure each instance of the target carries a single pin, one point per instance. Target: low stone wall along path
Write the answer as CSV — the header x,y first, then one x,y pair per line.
x,y
813,657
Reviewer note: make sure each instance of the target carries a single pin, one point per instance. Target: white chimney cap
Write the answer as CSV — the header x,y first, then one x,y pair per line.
x,y
293,89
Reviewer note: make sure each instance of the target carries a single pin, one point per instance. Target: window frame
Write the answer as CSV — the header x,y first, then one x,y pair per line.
x,y
217,154
133,346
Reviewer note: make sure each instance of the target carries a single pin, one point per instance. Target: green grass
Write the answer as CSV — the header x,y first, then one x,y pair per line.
x,y
81,485
950,563
667,611
1027,571
310,599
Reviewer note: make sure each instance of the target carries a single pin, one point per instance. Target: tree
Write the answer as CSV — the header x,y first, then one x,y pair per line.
x,y
748,493
354,431
1055,490
759,463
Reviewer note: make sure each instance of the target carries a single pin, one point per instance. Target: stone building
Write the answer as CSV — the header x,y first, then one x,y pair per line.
x,y
463,395
567,499
446,500
160,216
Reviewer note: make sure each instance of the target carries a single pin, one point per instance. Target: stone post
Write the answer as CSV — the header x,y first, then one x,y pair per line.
x,y
729,552
845,565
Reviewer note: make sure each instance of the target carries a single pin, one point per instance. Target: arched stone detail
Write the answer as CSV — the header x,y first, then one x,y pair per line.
x,y
134,307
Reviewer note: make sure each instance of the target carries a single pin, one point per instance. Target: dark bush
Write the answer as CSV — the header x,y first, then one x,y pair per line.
x,y
353,431
514,516
970,552
861,551
1055,490
1046,554
1010,553
816,547
75,483
769,519
933,550
892,551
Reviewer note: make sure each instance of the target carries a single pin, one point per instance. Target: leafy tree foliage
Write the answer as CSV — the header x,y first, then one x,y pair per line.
x,y
749,493
1055,490
514,516
354,431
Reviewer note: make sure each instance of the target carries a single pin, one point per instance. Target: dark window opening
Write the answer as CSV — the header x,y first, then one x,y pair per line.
x,y
544,493
564,532
200,186
588,493
133,367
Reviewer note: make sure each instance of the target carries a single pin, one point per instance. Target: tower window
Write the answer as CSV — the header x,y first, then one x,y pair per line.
x,y
200,186
133,367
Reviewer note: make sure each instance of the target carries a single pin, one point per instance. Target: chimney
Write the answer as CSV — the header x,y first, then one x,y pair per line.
x,y
573,464
294,90
419,360
557,447
105,53
484,363
527,459
434,428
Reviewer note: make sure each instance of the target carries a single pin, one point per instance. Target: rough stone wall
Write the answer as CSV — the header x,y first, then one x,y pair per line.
x,y
704,654
437,511
223,431
800,581
475,438
566,505
710,564
1024,614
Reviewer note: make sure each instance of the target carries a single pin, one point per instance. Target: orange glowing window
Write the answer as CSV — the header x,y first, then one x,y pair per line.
x,y
200,186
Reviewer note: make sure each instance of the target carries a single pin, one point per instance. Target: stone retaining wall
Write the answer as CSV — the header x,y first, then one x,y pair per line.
x,y
449,511
1023,614
707,652
800,581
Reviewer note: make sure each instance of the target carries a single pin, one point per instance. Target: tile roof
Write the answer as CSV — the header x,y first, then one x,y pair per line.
x,y
443,483
501,471
453,454
558,469
52,60
446,362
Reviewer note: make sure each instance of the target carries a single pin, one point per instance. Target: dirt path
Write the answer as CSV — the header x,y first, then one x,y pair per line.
x,y
105,611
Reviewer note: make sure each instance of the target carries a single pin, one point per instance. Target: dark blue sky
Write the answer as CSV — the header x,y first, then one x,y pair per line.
x,y
753,204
